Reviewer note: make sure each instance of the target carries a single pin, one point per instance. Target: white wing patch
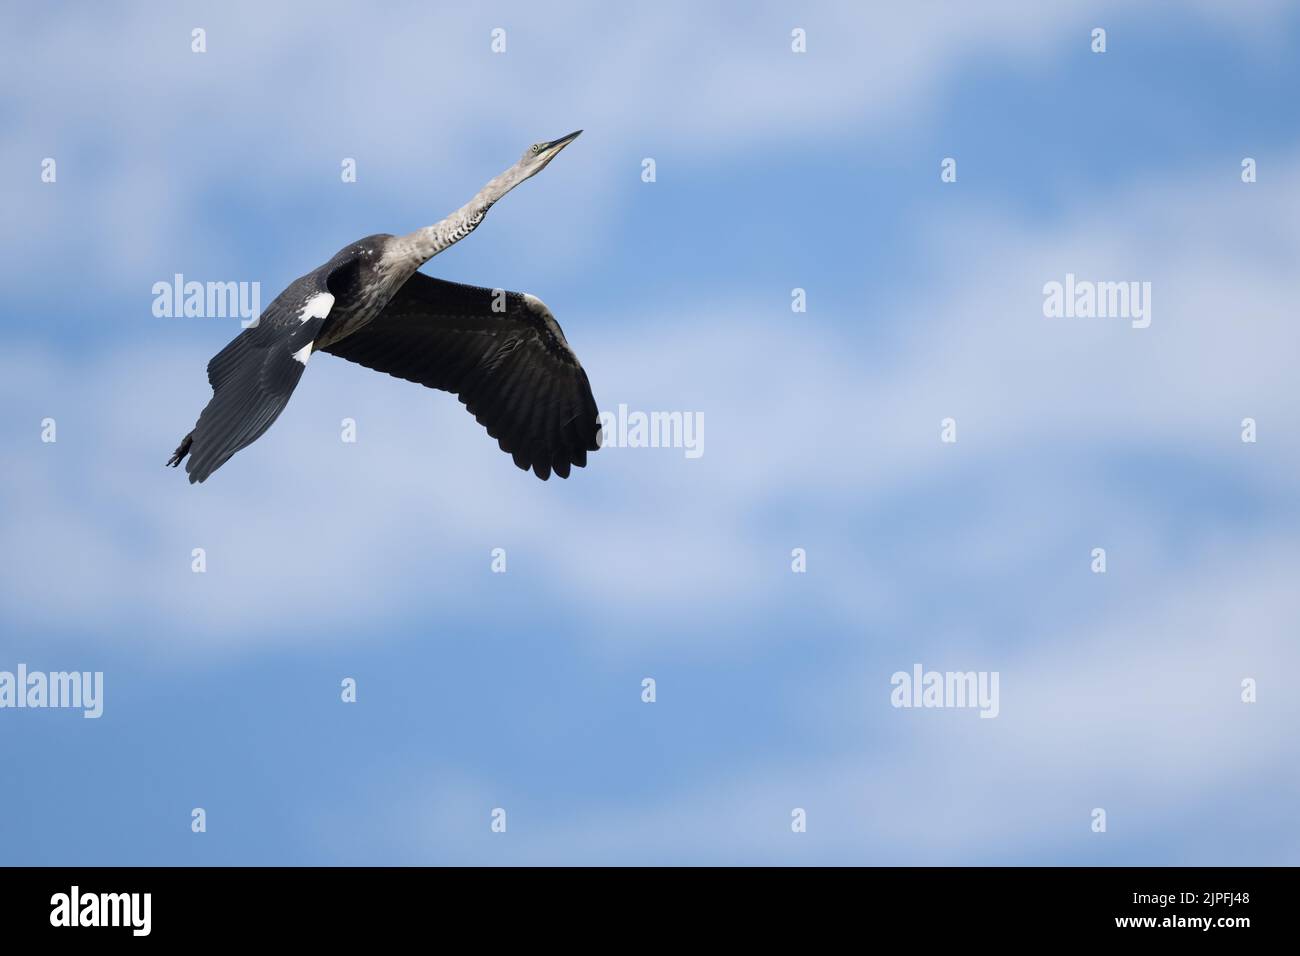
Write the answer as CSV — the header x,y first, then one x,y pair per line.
x,y
303,354
317,307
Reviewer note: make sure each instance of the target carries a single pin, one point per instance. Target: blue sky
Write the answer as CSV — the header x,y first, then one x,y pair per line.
x,y
774,170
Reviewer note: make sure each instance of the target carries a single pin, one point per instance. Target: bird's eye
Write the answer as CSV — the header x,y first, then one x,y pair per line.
x,y
536,147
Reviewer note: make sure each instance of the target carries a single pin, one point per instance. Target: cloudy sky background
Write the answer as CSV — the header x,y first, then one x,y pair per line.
x,y
821,171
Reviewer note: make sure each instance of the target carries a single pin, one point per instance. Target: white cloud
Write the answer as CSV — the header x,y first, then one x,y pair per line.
x,y
1137,711
410,512
148,134
821,432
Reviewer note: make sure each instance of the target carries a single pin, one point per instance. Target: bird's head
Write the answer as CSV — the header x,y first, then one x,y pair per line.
x,y
537,156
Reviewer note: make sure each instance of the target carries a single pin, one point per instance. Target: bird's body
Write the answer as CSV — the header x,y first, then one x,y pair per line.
x,y
501,352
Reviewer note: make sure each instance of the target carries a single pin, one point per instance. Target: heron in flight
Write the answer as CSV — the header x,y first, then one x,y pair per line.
x,y
502,353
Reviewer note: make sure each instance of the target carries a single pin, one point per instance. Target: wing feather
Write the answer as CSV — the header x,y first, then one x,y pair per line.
x,y
253,377
512,368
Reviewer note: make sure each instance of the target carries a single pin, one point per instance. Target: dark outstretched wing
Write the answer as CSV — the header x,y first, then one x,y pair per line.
x,y
253,377
509,365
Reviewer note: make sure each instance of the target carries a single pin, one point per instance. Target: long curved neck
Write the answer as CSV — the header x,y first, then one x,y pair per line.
x,y
417,248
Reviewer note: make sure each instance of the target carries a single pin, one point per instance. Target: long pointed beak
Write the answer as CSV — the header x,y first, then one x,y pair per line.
x,y
556,145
